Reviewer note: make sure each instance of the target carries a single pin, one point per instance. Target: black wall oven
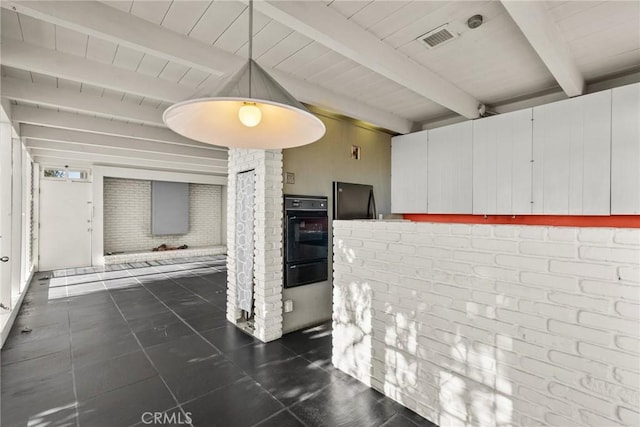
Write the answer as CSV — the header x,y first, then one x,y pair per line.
x,y
306,240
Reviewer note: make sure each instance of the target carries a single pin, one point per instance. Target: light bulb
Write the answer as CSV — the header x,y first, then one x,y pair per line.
x,y
250,115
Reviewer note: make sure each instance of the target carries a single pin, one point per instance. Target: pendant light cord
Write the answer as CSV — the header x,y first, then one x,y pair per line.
x,y
250,42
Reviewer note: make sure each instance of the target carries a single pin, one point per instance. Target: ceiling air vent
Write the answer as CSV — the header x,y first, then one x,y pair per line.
x,y
437,37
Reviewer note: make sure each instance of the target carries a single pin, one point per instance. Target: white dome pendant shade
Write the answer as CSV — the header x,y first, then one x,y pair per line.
x,y
250,111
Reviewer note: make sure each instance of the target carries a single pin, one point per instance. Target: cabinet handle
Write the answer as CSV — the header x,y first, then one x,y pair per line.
x,y
4,259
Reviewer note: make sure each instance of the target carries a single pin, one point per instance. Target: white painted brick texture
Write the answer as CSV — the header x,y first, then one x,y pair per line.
x,y
268,274
127,217
491,324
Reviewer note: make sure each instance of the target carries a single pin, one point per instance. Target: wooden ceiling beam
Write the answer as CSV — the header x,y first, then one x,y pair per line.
x,y
537,25
128,30
37,93
80,122
143,147
107,23
328,27
30,57
56,157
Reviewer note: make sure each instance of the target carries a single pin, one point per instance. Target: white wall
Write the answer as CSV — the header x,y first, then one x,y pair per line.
x,y
127,216
15,220
492,324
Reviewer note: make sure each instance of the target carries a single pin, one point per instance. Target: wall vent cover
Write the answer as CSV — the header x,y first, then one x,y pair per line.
x,y
438,36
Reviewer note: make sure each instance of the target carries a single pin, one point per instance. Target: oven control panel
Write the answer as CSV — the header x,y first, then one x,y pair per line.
x,y
302,203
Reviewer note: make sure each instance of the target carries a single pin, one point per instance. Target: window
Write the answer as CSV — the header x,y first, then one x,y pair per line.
x,y
77,175
66,174
54,173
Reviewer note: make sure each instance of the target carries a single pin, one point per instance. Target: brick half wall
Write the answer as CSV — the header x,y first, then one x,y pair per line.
x,y
492,324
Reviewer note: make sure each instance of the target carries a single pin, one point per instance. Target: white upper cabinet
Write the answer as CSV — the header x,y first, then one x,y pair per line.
x,y
502,164
572,153
449,169
625,150
409,173
580,156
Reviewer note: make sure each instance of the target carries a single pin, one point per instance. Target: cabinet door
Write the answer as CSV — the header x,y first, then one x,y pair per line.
x,y
502,164
409,173
571,153
625,150
449,169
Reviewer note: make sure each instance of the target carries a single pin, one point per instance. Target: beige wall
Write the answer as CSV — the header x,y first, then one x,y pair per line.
x,y
316,166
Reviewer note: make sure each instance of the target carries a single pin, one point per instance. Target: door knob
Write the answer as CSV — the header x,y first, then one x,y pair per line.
x,y
4,259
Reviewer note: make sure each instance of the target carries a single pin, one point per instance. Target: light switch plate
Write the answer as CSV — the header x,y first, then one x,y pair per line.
x,y
288,306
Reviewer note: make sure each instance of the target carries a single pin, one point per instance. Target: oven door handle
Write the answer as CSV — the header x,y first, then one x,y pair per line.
x,y
292,217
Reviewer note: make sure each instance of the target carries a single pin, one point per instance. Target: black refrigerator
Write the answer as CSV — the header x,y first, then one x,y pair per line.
x,y
353,201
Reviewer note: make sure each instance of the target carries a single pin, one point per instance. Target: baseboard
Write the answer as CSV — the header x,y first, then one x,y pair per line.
x,y
316,322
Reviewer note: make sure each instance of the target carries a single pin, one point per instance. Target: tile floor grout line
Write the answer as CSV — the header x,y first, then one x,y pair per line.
x,y
302,355
284,406
248,376
317,392
186,289
269,417
193,399
178,316
147,355
71,351
221,353
73,369
285,409
296,416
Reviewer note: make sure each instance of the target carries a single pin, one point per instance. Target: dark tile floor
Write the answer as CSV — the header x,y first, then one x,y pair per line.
x,y
108,345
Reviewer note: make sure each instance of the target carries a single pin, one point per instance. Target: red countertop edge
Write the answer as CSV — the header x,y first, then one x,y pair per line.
x,y
613,221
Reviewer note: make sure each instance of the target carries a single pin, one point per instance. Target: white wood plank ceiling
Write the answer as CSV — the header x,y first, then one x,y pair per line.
x,y
124,62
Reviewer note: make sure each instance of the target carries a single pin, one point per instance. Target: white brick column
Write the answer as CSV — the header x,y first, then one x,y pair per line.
x,y
267,165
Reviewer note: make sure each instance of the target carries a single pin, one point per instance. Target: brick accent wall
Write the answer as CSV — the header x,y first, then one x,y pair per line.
x,y
268,277
492,324
127,216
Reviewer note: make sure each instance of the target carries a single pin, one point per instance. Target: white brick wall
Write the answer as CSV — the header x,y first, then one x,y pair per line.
x,y
127,216
267,266
492,324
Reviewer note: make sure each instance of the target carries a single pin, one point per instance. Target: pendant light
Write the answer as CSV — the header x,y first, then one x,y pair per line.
x,y
250,111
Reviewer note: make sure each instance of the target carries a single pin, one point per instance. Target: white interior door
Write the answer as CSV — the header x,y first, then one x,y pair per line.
x,y
65,224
